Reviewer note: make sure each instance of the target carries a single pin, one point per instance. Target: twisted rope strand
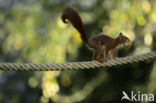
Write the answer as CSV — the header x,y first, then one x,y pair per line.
x,y
78,65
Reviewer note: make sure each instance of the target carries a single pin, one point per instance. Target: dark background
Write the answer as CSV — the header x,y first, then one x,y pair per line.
x,y
31,31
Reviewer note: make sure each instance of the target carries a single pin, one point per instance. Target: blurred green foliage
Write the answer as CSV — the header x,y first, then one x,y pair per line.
x,y
32,31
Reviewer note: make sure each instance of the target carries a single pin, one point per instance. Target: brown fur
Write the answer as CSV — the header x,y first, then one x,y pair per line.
x,y
95,43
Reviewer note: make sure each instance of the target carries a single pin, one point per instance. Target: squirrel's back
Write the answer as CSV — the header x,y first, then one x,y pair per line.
x,y
72,15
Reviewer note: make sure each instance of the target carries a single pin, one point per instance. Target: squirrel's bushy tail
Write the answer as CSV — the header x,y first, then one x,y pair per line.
x,y
71,15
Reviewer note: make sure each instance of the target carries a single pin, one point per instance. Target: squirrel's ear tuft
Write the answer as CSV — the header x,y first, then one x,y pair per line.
x,y
120,34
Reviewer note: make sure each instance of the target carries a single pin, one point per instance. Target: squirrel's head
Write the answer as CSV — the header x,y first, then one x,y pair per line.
x,y
124,40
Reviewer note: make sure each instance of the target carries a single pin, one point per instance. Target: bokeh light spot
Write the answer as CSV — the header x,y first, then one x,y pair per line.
x,y
148,39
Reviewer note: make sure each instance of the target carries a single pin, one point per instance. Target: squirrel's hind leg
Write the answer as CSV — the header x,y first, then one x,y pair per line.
x,y
106,51
96,55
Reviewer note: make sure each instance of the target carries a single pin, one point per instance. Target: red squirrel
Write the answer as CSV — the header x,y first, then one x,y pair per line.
x,y
95,43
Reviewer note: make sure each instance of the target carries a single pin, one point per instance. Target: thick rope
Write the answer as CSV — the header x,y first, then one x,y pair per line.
x,y
78,65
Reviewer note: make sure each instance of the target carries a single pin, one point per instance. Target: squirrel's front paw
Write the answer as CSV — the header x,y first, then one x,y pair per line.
x,y
105,60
